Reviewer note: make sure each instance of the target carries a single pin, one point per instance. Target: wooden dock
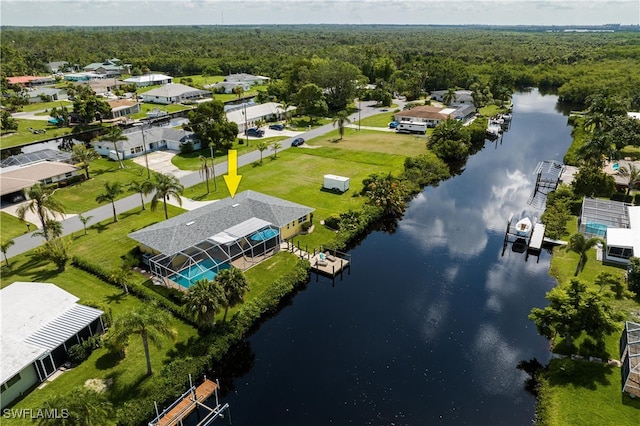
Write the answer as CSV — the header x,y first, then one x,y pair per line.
x,y
328,264
185,405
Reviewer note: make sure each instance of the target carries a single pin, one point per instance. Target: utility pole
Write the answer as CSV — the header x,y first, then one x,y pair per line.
x,y
144,147
213,167
246,133
359,108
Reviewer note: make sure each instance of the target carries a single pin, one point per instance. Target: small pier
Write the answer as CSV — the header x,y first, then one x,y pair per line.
x,y
188,402
327,262
548,174
530,242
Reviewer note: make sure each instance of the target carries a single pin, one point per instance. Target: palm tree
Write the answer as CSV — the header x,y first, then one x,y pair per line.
x,y
54,230
341,119
84,220
84,407
450,96
596,149
205,170
150,322
114,135
581,245
166,186
84,156
4,247
238,91
202,302
42,203
632,173
144,187
121,276
262,146
284,106
111,192
234,285
276,146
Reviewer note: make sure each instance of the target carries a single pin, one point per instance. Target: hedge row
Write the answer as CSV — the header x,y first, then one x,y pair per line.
x,y
202,354
136,289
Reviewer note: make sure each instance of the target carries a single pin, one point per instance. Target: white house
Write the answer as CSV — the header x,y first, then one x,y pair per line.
x,y
40,322
249,114
149,80
173,93
36,93
154,139
462,97
428,114
247,78
228,86
123,108
14,179
623,243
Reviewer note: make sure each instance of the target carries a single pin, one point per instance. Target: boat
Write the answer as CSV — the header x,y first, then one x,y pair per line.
x,y
494,130
156,112
523,227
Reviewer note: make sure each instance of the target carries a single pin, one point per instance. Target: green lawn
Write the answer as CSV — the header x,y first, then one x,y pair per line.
x,y
81,197
25,136
146,107
378,120
584,393
12,227
39,106
192,161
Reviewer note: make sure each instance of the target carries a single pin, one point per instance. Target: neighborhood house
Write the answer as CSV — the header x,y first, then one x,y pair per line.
x,y
174,93
40,322
240,232
153,139
247,115
14,179
149,80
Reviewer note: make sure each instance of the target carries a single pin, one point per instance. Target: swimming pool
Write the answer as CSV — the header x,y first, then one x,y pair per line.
x,y
204,269
264,235
596,229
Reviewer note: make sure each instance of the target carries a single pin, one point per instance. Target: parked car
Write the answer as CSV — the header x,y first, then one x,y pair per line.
x,y
279,127
297,142
255,132
393,125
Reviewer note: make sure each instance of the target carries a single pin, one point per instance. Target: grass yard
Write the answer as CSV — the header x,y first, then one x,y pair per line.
x,y
192,161
40,106
378,120
146,107
24,135
12,227
128,374
81,197
303,123
585,393
373,141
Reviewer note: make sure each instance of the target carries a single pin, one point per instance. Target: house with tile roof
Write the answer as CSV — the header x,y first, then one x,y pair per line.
x,y
240,232
40,322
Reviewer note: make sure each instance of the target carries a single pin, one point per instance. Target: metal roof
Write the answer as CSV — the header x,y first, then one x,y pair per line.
x,y
612,214
64,327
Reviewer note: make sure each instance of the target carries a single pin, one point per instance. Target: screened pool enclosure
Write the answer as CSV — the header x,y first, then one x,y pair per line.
x,y
240,246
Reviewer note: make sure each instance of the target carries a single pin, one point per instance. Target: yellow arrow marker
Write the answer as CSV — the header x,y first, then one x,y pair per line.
x,y
232,178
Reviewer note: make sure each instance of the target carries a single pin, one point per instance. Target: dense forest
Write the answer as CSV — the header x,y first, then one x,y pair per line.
x,y
408,58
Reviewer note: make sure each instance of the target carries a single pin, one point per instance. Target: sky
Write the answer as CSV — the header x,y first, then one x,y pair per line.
x,y
265,12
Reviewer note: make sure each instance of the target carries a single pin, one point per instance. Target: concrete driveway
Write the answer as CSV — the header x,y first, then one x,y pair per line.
x,y
160,161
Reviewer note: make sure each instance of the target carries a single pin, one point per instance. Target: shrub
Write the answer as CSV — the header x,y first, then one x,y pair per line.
x,y
77,354
186,148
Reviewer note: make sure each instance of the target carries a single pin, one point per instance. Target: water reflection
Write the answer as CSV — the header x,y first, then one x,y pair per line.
x,y
432,322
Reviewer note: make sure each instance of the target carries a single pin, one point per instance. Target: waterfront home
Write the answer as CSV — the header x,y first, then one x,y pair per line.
x,y
174,93
153,139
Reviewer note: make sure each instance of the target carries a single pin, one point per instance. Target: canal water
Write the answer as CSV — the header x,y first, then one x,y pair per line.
x,y
429,326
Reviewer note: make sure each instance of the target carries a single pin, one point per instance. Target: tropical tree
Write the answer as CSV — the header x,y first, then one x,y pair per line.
x,y
203,300
84,220
572,310
450,141
234,285
83,156
632,173
111,192
150,322
166,186
311,101
84,407
55,250
581,245
596,149
54,230
449,96
341,120
284,107
205,170
591,181
633,275
262,146
7,122
42,203
238,91
114,135
121,276
142,187
4,247
386,192
275,146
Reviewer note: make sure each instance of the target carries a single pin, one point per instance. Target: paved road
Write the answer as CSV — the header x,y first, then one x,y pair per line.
x,y
72,224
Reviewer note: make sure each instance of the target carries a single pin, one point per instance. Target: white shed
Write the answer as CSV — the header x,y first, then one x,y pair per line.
x,y
336,183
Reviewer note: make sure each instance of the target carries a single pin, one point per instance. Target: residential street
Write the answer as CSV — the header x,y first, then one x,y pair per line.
x,y
72,223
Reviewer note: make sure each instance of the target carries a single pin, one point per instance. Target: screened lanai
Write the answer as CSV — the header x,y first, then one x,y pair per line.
x,y
630,356
598,215
241,246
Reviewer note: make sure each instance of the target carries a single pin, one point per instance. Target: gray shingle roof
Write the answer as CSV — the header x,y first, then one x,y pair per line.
x,y
197,225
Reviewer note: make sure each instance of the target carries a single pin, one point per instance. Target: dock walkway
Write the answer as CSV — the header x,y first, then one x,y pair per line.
x,y
537,236
185,405
328,262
